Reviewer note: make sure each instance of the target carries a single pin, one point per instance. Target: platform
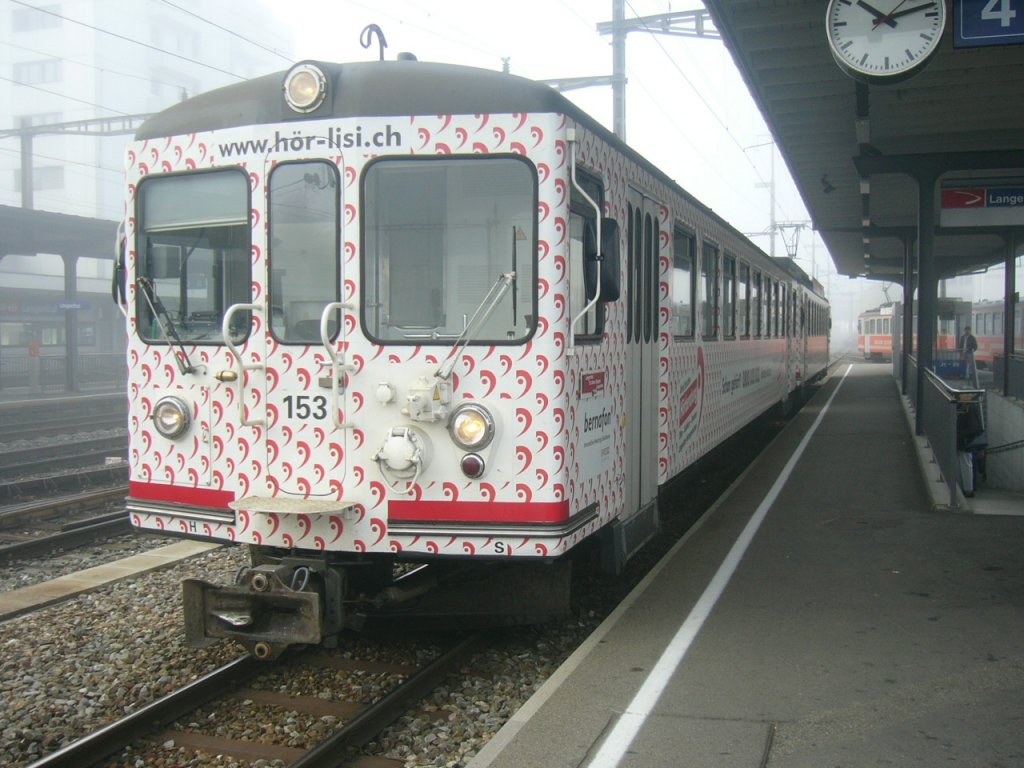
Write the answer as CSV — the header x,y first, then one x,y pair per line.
x,y
19,601
821,614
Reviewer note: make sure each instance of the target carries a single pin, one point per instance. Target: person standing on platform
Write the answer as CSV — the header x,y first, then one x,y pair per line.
x,y
969,427
968,345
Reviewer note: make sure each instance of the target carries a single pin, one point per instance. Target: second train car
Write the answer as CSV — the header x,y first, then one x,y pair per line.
x,y
398,311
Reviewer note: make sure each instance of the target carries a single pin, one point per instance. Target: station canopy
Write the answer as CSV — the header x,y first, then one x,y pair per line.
x,y
25,231
849,145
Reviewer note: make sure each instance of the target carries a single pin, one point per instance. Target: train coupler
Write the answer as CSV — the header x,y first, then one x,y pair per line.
x,y
267,609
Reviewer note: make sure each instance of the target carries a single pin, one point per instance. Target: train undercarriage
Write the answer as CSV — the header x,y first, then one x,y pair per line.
x,y
285,599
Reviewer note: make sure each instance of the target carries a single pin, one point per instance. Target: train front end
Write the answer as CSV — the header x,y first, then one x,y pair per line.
x,y
348,344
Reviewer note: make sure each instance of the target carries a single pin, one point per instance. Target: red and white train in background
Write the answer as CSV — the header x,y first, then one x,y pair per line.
x,y
397,311
986,319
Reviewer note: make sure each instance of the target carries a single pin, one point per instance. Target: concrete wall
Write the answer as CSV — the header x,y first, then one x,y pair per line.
x,y
1005,470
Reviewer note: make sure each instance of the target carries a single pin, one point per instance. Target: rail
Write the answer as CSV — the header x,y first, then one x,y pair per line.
x,y
939,422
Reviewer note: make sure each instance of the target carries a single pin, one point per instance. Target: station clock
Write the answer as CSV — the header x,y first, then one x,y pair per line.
x,y
884,41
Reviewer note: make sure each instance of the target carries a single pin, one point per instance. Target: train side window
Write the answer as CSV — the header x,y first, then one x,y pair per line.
x,y
776,299
755,304
684,284
783,310
194,255
709,291
582,235
743,302
303,219
729,296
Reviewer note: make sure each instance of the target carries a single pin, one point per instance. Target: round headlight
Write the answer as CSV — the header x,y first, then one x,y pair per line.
x,y
171,417
305,87
471,427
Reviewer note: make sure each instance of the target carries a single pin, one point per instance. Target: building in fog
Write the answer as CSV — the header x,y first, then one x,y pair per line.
x,y
107,59
98,65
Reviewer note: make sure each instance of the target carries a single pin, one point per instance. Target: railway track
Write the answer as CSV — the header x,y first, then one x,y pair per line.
x,y
160,722
63,425
52,530
39,459
88,478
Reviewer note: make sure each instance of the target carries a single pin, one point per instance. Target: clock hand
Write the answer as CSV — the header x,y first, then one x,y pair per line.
x,y
879,16
907,11
888,18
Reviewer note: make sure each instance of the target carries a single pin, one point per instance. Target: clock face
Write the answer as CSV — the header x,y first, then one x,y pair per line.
x,y
884,40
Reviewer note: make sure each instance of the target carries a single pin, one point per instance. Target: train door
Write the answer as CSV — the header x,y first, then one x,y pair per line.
x,y
798,324
643,235
305,449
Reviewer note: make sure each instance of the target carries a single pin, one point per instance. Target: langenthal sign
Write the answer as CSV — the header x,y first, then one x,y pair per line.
x,y
973,205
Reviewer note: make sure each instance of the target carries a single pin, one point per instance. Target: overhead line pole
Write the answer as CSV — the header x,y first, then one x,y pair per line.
x,y
99,126
677,23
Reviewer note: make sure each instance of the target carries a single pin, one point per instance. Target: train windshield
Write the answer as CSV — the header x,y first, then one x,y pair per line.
x,y
437,234
193,256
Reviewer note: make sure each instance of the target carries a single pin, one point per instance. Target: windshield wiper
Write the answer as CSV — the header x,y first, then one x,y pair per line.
x,y
166,324
483,312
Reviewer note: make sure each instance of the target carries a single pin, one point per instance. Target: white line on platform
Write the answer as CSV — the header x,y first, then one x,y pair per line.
x,y
632,720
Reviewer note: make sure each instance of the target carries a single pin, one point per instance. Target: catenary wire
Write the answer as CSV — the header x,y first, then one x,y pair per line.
x,y
127,39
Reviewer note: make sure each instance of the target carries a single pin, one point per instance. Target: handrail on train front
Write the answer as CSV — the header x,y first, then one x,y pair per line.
x,y
225,329
338,365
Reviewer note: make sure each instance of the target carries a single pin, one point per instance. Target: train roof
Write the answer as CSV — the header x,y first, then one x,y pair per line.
x,y
391,88
361,89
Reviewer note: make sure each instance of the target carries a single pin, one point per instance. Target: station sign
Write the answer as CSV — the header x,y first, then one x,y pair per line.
x,y
991,205
67,305
988,22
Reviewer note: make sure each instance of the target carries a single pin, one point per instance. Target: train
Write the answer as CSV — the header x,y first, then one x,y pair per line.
x,y
874,333
414,332
874,329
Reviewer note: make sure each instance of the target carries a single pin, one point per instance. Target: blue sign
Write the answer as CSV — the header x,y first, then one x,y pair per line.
x,y
1004,197
988,22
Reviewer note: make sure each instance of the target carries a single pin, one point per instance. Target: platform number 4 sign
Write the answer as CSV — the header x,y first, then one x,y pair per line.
x,y
988,22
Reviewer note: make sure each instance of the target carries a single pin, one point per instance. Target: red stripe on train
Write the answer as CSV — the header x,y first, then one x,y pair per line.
x,y
479,511
177,494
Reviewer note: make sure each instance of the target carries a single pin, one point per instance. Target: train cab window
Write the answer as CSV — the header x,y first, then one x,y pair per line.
x,y
446,239
709,291
684,284
743,302
303,220
729,296
194,256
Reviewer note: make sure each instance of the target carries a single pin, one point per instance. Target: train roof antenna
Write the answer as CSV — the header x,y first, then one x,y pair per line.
x,y
367,35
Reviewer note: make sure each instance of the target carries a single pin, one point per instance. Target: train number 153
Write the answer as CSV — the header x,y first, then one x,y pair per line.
x,y
305,407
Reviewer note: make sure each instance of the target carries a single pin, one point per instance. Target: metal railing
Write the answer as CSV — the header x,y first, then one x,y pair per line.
x,y
939,422
48,374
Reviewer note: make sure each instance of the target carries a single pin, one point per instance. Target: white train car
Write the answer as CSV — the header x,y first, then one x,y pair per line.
x,y
400,311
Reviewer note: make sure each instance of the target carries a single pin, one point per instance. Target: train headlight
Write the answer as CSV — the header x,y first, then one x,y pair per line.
x,y
471,427
172,417
305,87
